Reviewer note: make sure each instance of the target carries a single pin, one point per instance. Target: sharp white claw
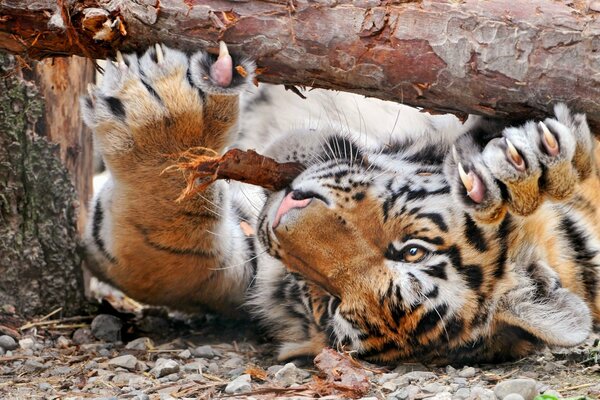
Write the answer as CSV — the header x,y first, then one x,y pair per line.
x,y
120,59
548,136
160,57
513,153
223,50
465,178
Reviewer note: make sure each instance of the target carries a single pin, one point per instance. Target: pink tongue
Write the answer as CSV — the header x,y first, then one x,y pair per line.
x,y
286,205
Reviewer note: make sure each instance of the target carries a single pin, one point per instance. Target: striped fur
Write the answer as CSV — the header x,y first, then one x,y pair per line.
x,y
389,259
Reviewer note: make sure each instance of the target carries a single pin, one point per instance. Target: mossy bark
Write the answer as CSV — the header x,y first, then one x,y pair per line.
x,y
40,252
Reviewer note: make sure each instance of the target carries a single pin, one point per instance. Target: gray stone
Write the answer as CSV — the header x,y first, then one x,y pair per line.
x,y
232,363
460,381
434,387
194,367
82,336
418,376
45,386
467,372
386,377
26,343
239,385
213,368
7,342
142,343
62,342
527,388
107,327
389,386
481,393
185,354
33,365
551,392
290,374
164,367
462,393
513,396
205,351
127,361
272,370
61,370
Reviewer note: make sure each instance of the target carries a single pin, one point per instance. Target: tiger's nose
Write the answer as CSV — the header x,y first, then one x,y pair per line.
x,y
293,199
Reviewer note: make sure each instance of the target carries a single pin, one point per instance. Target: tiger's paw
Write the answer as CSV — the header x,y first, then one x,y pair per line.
x,y
525,165
166,101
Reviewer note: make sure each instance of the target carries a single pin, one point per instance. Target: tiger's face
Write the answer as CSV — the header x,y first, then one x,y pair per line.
x,y
380,233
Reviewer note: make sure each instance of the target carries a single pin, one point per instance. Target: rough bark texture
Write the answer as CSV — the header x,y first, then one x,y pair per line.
x,y
494,57
40,256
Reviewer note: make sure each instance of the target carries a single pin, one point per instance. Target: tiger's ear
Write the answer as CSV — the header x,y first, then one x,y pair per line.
x,y
540,306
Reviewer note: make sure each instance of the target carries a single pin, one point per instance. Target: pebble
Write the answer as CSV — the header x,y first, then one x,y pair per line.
x,y
82,336
467,372
194,367
205,351
164,367
62,342
142,343
290,374
7,342
45,386
127,361
61,370
26,343
107,327
239,385
434,387
185,354
527,388
33,365
513,396
462,393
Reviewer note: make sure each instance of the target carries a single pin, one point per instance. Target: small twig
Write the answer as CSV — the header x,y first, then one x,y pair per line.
x,y
45,317
585,385
54,322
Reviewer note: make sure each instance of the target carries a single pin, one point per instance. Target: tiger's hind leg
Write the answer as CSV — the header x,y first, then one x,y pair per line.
x,y
148,110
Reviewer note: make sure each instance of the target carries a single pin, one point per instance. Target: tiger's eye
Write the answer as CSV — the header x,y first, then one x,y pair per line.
x,y
414,254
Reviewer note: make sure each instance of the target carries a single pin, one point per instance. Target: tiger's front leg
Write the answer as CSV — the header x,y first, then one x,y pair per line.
x,y
148,110
529,183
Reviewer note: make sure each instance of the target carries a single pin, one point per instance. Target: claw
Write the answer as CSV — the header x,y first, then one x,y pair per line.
x,y
160,57
466,179
514,155
120,59
222,70
548,139
91,89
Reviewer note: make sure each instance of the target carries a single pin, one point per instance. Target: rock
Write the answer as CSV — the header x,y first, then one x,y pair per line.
x,y
62,342
235,362
107,327
26,343
416,376
481,393
239,385
45,386
127,361
290,374
442,396
185,354
467,372
7,342
272,370
82,336
205,351
513,396
386,377
164,367
194,367
213,368
32,365
142,343
61,370
434,387
527,388
462,393
389,386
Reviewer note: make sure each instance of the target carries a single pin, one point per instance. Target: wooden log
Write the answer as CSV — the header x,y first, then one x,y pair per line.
x,y
43,153
496,57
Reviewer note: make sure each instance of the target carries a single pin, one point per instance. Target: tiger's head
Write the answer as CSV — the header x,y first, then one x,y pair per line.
x,y
385,259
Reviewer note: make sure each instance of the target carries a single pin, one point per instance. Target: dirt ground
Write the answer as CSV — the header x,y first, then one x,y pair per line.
x,y
160,356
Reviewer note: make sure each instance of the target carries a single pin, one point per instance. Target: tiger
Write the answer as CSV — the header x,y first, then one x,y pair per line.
x,y
405,238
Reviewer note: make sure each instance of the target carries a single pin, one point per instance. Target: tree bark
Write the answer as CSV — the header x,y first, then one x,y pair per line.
x,y
42,154
501,58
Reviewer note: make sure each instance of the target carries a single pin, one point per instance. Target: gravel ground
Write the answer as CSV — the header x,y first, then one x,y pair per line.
x,y
149,355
